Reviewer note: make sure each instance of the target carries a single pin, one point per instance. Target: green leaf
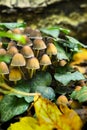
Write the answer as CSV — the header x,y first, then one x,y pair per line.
x,y
11,106
16,37
12,25
80,95
40,79
52,31
74,44
40,83
24,86
46,92
68,76
5,58
61,52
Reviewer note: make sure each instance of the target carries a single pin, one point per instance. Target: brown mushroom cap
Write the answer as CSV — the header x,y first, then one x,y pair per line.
x,y
39,44
27,52
3,68
18,60
2,51
51,49
33,63
45,60
12,50
28,41
10,44
0,44
17,31
15,74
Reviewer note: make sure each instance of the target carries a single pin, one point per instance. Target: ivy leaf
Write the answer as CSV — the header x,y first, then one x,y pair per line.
x,y
5,58
46,92
40,79
16,37
52,31
12,25
68,76
74,44
61,52
11,106
80,95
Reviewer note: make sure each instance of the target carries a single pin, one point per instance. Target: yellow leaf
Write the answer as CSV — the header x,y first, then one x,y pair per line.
x,y
49,114
70,117
49,117
79,57
26,123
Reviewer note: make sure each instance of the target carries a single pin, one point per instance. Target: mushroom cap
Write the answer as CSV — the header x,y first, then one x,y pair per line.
x,y
28,41
32,33
3,68
33,63
45,60
10,44
39,44
17,31
2,51
51,49
18,60
27,52
0,44
12,51
15,74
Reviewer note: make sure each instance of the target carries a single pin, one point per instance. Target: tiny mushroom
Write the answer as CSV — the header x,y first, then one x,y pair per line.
x,y
38,45
18,60
32,65
45,61
27,52
12,51
2,51
15,75
51,50
3,69
28,41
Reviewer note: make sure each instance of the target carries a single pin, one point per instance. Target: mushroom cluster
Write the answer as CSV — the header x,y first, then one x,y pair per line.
x,y
35,55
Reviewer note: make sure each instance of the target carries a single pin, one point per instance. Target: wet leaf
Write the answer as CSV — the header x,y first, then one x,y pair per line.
x,y
80,95
68,76
11,106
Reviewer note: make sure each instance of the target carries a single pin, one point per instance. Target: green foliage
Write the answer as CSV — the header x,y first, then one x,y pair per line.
x,y
11,106
40,83
68,76
80,95
5,58
11,25
12,36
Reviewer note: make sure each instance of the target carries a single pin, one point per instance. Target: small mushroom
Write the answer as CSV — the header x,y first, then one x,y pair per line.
x,y
15,75
45,61
27,52
38,45
12,51
18,60
2,51
51,50
3,69
0,44
10,44
17,31
28,41
32,65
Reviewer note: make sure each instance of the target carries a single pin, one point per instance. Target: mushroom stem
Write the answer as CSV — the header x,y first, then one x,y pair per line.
x,y
21,72
44,67
37,53
5,86
31,73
